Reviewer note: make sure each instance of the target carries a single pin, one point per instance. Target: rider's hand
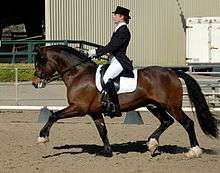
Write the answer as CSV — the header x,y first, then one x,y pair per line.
x,y
91,53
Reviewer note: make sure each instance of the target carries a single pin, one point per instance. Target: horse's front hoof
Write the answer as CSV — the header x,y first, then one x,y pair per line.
x,y
194,152
43,140
152,145
105,153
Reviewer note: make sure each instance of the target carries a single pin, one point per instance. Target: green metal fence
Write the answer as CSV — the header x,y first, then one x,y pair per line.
x,y
26,47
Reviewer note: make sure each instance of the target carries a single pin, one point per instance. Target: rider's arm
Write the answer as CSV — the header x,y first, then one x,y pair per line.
x,y
117,40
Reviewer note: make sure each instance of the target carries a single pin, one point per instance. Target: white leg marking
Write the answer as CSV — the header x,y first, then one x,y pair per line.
x,y
152,145
194,152
42,140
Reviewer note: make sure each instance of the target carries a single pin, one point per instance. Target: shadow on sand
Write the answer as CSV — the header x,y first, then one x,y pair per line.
x,y
123,148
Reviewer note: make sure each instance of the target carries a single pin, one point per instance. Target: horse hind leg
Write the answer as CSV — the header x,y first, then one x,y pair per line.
x,y
188,124
165,121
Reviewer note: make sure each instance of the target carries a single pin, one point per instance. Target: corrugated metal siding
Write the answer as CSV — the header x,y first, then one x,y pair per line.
x,y
157,33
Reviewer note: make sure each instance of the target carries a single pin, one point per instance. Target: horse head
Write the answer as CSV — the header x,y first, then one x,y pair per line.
x,y
45,67
57,58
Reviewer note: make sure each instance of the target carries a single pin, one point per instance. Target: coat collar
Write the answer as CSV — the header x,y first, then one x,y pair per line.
x,y
119,25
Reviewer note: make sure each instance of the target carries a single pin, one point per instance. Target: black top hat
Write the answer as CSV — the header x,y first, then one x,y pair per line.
x,y
122,11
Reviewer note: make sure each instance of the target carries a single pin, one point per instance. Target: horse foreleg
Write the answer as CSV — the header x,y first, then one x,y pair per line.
x,y
165,121
100,124
68,112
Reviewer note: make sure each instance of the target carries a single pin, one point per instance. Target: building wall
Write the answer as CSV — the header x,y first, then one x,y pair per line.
x,y
157,34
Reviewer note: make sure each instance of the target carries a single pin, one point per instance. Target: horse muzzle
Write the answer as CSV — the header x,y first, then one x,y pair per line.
x,y
39,83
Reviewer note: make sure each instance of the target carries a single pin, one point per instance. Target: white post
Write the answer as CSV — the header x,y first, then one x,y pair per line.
x,y
16,85
213,95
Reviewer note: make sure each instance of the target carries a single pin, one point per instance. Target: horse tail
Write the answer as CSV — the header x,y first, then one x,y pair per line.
x,y
207,120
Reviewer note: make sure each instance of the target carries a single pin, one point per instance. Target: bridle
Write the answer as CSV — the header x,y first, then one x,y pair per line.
x,y
56,76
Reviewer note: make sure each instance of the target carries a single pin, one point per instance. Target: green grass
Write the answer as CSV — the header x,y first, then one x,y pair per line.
x,y
25,71
7,72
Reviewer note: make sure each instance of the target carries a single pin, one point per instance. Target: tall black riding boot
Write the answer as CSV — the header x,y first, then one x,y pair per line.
x,y
110,101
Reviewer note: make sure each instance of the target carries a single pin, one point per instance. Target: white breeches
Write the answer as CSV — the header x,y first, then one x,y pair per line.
x,y
113,70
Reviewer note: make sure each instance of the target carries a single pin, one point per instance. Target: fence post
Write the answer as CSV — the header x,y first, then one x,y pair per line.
x,y
65,43
29,51
13,52
213,96
190,70
16,85
81,47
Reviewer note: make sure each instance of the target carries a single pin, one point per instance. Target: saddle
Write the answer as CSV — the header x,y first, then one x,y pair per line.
x,y
116,81
110,103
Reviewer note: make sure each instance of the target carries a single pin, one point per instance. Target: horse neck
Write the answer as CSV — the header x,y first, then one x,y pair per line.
x,y
64,63
73,70
78,75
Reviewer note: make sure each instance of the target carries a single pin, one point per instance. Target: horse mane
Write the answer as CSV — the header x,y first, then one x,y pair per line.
x,y
71,50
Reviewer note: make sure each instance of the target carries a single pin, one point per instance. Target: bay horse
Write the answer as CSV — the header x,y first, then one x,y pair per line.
x,y
158,88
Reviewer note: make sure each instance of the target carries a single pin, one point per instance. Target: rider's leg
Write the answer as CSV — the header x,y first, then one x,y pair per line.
x,y
113,70
112,106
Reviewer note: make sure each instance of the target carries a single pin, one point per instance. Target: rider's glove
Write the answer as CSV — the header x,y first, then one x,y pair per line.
x,y
92,53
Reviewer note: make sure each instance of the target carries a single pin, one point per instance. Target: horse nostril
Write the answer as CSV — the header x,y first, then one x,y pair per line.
x,y
35,85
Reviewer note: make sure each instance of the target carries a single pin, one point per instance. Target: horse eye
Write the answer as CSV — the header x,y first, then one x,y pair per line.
x,y
43,60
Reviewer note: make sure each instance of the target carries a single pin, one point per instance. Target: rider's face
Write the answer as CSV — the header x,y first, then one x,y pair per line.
x,y
117,18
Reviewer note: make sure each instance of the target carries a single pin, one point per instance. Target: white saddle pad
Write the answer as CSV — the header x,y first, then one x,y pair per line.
x,y
126,84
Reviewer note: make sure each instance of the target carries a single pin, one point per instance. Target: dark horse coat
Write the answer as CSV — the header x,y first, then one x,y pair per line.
x,y
158,88
118,46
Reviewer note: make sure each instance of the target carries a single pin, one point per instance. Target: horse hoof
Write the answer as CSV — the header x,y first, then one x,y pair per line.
x,y
108,154
42,140
152,145
105,153
194,152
